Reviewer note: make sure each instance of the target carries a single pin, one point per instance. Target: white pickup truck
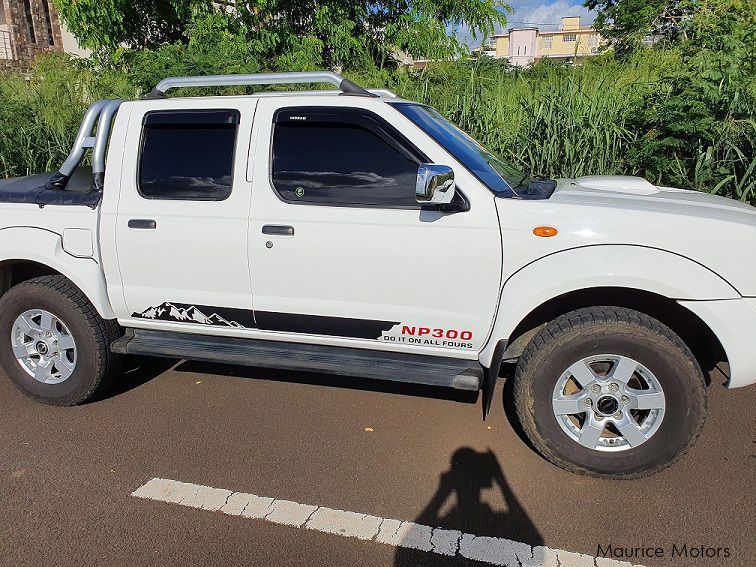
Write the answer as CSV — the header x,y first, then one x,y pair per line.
x,y
349,231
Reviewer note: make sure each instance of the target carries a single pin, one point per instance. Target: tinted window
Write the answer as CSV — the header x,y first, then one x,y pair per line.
x,y
188,155
348,162
498,175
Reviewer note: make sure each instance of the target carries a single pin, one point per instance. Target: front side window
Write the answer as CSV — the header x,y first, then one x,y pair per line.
x,y
570,37
499,176
341,157
188,155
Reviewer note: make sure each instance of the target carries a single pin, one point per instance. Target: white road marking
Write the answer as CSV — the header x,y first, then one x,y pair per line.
x,y
289,513
347,524
493,550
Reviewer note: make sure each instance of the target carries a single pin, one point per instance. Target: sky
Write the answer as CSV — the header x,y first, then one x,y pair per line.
x,y
546,15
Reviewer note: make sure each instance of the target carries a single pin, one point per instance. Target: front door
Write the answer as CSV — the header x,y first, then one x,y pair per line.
x,y
341,251
181,230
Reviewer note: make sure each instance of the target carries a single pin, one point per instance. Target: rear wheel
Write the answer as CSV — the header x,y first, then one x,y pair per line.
x,y
609,392
54,346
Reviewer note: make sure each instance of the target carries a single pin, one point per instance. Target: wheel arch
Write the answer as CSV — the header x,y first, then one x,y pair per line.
x,y
43,254
694,332
648,280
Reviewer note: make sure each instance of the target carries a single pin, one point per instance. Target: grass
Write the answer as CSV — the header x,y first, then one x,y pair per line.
x,y
555,121
40,112
552,120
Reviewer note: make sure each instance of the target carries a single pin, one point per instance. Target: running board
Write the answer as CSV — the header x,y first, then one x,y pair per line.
x,y
381,365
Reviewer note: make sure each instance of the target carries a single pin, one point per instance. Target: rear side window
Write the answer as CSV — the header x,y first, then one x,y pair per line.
x,y
188,155
342,157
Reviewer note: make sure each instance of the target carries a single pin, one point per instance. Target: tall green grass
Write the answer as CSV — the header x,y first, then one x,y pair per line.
x,y
552,120
592,119
40,112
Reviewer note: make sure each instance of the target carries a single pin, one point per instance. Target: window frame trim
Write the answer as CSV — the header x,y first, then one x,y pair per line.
x,y
142,133
389,131
48,21
31,29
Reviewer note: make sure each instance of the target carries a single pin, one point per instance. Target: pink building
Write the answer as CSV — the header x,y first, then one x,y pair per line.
x,y
522,46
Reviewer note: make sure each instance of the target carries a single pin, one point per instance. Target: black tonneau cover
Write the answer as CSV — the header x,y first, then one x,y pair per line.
x,y
34,189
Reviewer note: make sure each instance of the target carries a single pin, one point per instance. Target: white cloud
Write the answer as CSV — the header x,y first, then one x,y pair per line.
x,y
551,13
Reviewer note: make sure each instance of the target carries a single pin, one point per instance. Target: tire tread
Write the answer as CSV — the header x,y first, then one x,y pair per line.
x,y
571,321
103,331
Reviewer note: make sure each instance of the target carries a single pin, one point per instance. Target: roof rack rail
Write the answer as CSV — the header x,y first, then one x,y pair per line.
x,y
383,92
100,114
345,85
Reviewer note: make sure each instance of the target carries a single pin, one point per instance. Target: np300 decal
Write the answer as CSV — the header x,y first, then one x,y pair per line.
x,y
427,336
386,331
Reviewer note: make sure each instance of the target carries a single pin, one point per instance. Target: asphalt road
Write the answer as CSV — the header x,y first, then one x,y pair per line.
x,y
66,474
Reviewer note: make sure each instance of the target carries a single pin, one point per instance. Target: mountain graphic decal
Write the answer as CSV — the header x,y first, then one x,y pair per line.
x,y
184,313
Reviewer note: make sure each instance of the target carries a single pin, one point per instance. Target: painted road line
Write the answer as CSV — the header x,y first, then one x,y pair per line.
x,y
493,550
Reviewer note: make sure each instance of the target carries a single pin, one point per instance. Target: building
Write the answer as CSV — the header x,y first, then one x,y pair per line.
x,y
31,27
528,45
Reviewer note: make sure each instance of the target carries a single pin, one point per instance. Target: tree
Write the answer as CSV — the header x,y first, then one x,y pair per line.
x,y
331,33
700,126
628,24
103,25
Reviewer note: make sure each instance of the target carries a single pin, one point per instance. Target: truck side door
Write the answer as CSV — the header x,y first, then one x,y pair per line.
x,y
182,220
341,252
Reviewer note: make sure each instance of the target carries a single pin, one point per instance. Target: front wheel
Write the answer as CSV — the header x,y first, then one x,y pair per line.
x,y
609,392
54,346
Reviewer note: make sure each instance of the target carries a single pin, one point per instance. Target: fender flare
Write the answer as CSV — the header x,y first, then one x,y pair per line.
x,y
608,265
46,247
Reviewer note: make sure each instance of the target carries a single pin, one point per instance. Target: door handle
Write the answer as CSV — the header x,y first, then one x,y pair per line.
x,y
278,229
148,224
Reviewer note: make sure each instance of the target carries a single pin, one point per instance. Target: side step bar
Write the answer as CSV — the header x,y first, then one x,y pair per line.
x,y
398,367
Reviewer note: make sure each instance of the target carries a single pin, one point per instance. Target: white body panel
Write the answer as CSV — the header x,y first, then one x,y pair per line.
x,y
46,247
715,232
734,324
669,242
616,266
198,252
409,267
482,270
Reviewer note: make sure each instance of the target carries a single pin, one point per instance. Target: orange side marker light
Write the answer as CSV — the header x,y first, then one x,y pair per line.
x,y
545,231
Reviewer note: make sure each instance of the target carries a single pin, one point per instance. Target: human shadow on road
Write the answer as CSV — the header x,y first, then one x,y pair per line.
x,y
458,504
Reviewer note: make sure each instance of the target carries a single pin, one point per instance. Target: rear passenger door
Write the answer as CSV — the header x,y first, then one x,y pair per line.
x,y
181,229
341,253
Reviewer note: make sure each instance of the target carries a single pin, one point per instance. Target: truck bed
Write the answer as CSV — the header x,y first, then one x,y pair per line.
x,y
32,189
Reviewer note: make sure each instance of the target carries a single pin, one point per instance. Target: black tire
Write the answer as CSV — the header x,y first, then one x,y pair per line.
x,y
95,364
624,332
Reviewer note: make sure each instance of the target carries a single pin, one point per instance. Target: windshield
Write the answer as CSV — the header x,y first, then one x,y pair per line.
x,y
502,178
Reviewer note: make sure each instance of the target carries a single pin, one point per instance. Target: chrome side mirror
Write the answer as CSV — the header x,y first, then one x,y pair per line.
x,y
435,184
